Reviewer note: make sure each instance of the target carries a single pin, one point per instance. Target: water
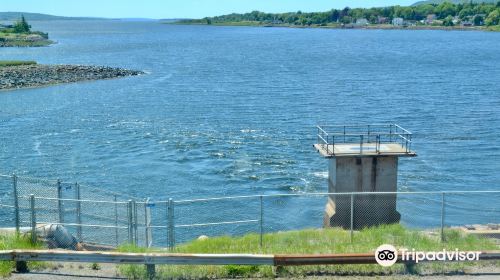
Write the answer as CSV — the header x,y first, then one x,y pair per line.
x,y
231,110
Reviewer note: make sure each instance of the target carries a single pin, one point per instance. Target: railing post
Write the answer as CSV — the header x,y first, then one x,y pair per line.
x,y
368,134
116,220
33,218
16,202
390,133
129,221
78,212
333,144
327,151
352,216
60,209
377,144
361,144
150,271
261,220
317,135
344,133
171,226
442,216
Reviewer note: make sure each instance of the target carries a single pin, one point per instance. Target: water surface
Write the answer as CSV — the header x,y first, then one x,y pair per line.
x,y
231,110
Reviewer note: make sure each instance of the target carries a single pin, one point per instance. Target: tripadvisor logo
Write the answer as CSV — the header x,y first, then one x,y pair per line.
x,y
387,255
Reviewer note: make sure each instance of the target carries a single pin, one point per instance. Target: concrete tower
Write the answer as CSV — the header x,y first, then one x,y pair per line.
x,y
362,159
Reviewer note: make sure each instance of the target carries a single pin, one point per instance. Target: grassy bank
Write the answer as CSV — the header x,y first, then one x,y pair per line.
x,y
494,28
6,63
11,241
9,39
21,41
315,241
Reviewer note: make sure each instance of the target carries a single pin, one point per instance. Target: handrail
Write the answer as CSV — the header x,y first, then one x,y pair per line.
x,y
202,259
326,142
405,130
366,134
319,127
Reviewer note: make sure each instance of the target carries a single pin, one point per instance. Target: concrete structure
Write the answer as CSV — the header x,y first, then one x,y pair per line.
x,y
362,159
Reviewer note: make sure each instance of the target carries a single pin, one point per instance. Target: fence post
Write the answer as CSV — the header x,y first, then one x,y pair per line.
x,y
116,220
147,223
33,218
129,220
78,213
136,236
352,216
16,202
442,216
171,226
261,221
60,209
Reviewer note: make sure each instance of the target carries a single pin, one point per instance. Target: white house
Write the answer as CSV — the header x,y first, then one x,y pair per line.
x,y
398,21
361,21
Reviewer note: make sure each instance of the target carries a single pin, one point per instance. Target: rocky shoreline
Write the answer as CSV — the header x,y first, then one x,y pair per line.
x,y
16,77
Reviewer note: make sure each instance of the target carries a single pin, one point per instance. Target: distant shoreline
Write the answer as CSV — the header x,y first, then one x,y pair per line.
x,y
30,76
338,26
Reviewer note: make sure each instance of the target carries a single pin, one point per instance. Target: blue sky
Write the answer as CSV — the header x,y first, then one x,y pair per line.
x,y
181,8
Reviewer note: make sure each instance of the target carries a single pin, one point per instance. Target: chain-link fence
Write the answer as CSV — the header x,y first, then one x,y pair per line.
x,y
99,219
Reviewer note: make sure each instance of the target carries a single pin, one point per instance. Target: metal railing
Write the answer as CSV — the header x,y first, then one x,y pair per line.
x,y
152,259
328,136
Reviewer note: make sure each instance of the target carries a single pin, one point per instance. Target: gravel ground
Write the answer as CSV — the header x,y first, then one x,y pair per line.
x,y
82,271
14,77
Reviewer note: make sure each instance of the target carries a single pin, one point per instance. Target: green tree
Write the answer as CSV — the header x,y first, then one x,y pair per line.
x,y
493,18
422,11
448,21
445,9
465,12
478,20
21,26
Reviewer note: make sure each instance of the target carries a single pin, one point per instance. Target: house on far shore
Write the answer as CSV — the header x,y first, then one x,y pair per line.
x,y
467,23
382,20
361,21
398,21
410,23
430,19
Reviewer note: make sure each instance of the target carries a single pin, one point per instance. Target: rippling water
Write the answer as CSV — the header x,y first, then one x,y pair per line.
x,y
231,110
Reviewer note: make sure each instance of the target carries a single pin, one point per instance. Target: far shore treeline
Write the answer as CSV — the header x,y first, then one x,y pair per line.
x,y
444,14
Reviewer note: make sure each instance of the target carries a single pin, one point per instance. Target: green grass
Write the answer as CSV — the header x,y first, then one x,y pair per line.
x,y
22,40
12,241
6,63
493,28
314,241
